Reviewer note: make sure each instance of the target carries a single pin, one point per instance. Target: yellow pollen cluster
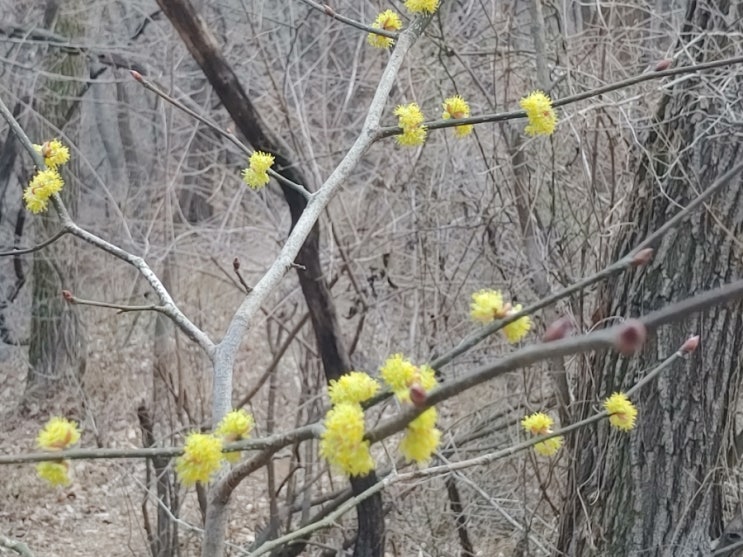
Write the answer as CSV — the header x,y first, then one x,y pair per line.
x,y
455,108
488,305
540,423
43,185
342,443
421,437
56,435
622,413
256,175
410,119
389,21
201,458
235,426
542,117
400,374
422,6
355,387
55,153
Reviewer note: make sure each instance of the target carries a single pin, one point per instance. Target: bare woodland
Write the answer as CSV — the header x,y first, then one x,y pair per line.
x,y
188,294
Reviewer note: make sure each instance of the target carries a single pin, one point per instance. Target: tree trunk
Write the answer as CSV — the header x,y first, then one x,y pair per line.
x,y
57,346
657,490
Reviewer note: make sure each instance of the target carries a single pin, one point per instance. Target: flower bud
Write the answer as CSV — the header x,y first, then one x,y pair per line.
x,y
557,330
417,395
630,337
690,345
642,257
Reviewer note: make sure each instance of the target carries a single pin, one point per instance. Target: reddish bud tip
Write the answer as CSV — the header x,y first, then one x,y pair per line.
x,y
663,65
691,344
557,330
328,10
67,295
417,395
236,264
136,75
642,257
630,337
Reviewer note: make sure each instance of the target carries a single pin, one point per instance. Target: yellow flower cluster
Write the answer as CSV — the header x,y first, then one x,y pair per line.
x,y
235,426
540,423
256,175
342,443
622,413
389,21
410,119
421,437
455,108
55,153
55,472
355,387
46,182
542,117
400,374
201,458
57,434
488,305
422,6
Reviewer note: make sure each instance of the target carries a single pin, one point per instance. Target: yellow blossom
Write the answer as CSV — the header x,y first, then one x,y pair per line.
x,y
540,423
342,443
43,185
355,386
421,6
400,374
55,153
57,434
421,437
542,117
201,458
235,426
455,108
389,21
487,305
54,472
622,413
517,330
256,175
549,447
410,119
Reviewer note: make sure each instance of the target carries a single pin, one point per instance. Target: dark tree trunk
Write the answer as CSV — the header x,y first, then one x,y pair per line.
x,y
203,47
57,344
657,490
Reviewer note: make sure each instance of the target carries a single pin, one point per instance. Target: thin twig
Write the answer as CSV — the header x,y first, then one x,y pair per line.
x,y
514,114
69,226
150,86
623,264
37,247
327,10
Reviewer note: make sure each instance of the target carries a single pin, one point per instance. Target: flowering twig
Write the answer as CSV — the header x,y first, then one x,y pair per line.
x,y
150,86
279,440
69,226
626,262
514,114
327,10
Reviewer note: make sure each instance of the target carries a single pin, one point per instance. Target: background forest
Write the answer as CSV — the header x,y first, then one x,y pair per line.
x,y
646,154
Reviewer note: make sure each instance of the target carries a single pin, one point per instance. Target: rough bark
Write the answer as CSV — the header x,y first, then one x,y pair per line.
x,y
57,345
657,490
203,47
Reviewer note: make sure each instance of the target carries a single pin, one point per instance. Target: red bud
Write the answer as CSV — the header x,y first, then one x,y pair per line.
x,y
630,337
663,65
691,344
417,395
136,75
236,264
67,295
557,330
642,257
